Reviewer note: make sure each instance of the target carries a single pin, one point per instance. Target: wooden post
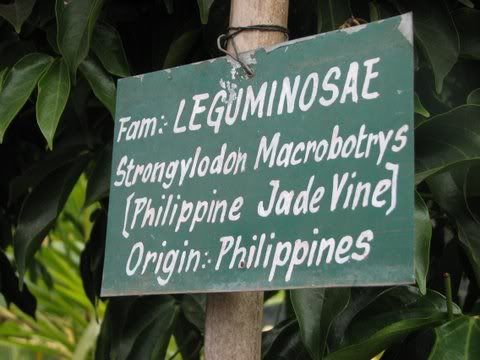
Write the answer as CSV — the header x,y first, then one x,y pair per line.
x,y
258,12
234,320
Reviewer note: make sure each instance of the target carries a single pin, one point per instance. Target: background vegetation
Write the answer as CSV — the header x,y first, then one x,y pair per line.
x,y
59,61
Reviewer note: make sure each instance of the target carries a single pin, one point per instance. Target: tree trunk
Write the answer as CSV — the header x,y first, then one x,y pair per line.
x,y
234,320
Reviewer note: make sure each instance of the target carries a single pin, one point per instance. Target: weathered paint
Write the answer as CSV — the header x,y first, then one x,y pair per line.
x,y
159,95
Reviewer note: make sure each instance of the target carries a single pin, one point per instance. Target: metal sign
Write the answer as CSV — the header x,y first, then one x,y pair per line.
x,y
299,176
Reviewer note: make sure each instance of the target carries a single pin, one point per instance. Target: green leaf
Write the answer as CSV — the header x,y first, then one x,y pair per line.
x,y
446,139
437,36
33,347
8,328
34,174
419,109
18,85
112,326
474,97
86,341
107,45
457,339
53,91
169,6
51,32
467,21
467,3
188,338
204,8
374,11
3,74
421,248
99,180
331,14
17,12
101,83
136,328
315,310
194,307
394,314
180,48
40,209
75,23
449,194
283,342
383,338
153,341
5,231
359,299
379,11
91,260
44,331
10,290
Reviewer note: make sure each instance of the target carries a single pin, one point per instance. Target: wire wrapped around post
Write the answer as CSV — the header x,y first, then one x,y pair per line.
x,y
233,31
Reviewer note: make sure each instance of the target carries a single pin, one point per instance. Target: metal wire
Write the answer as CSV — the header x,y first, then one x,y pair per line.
x,y
233,31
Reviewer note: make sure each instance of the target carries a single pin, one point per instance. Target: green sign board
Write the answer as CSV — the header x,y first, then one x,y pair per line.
x,y
299,176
